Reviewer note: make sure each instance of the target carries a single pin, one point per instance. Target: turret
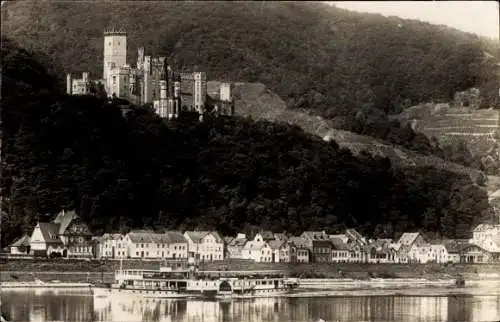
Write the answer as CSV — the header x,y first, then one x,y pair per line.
x,y
69,84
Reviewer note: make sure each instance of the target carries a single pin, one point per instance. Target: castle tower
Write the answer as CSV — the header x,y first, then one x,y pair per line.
x,y
140,59
115,49
69,84
177,97
163,110
200,91
148,84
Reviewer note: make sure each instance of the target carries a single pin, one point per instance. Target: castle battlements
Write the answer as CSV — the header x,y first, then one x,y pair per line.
x,y
115,32
150,80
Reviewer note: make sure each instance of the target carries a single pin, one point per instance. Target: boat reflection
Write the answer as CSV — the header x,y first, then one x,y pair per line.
x,y
63,306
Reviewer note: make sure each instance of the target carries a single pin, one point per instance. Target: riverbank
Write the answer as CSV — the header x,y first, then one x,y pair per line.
x,y
72,270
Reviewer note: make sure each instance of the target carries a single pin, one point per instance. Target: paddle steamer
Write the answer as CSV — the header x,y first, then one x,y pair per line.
x,y
184,281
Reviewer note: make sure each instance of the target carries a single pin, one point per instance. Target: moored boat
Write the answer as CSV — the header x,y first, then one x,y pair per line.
x,y
183,281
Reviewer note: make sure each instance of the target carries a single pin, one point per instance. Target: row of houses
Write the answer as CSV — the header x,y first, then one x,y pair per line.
x,y
68,236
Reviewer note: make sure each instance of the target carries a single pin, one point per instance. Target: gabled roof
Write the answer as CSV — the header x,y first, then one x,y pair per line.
x,y
280,236
237,242
23,241
196,236
267,234
408,238
174,237
50,232
312,235
64,218
255,245
353,233
338,244
486,227
141,236
454,246
228,239
299,242
275,244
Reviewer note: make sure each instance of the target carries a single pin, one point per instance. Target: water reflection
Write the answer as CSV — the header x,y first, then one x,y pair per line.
x,y
53,306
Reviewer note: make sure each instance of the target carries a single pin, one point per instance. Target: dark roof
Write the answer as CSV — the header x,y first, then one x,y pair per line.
x,y
266,234
23,241
238,242
338,244
50,232
275,244
316,235
175,237
455,245
196,236
299,242
64,218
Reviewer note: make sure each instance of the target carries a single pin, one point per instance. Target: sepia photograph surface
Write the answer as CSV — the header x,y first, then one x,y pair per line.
x,y
250,161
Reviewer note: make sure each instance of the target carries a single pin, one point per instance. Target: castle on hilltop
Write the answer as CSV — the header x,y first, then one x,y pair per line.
x,y
151,81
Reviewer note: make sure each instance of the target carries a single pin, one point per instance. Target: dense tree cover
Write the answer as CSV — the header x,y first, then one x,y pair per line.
x,y
334,62
122,170
226,173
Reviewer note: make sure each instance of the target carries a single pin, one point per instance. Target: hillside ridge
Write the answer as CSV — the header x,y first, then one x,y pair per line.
x,y
255,100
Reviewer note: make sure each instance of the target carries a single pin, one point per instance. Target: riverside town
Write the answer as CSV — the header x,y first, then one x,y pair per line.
x,y
249,161
66,236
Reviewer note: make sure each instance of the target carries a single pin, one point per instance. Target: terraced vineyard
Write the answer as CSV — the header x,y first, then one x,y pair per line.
x,y
479,128
256,101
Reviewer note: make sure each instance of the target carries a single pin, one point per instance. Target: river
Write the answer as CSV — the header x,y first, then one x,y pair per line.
x,y
59,305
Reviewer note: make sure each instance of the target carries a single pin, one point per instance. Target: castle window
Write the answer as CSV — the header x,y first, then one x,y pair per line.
x,y
114,80
109,44
118,43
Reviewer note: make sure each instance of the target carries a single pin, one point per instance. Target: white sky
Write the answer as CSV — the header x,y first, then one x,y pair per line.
x,y
479,17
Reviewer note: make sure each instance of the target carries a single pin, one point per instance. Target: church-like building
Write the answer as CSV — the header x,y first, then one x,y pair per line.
x,y
152,81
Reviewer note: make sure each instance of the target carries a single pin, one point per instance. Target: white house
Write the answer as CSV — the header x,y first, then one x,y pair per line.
x,y
113,246
45,241
20,246
275,246
257,250
148,244
487,237
435,253
204,245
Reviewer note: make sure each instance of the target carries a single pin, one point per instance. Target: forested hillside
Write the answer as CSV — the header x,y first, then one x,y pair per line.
x,y
134,171
348,67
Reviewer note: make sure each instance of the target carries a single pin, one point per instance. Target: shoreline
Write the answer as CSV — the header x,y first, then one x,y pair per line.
x,y
73,270
304,284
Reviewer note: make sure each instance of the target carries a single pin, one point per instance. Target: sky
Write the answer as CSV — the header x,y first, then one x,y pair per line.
x,y
479,17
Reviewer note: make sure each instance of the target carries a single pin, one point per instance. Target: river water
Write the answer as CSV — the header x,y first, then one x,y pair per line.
x,y
58,305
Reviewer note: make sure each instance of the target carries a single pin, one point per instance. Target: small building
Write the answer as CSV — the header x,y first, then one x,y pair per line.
x,y
288,252
322,251
257,250
20,246
204,245
454,249
234,246
302,249
75,234
474,254
381,251
45,241
411,239
341,252
275,246
112,246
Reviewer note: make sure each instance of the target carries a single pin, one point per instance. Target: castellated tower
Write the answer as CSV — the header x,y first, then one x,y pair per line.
x,y
200,91
115,50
